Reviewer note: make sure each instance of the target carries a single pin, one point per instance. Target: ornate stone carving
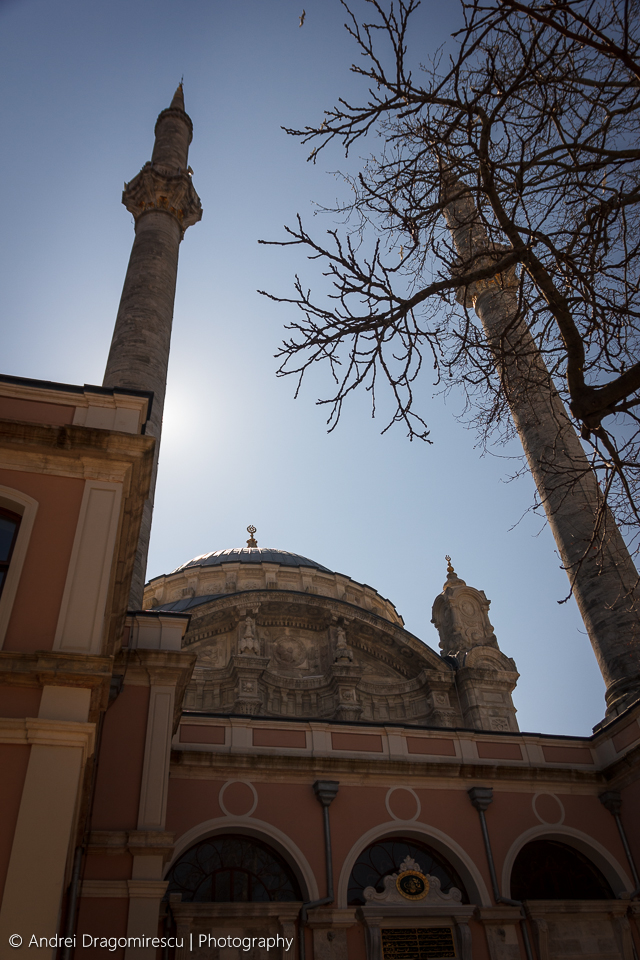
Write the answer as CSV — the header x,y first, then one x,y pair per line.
x,y
485,677
344,654
248,644
160,188
461,617
289,652
391,894
210,658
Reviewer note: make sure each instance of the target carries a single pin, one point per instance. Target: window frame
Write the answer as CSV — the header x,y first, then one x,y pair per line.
x,y
26,508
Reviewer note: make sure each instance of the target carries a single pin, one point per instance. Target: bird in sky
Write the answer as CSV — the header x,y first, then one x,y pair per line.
x,y
304,13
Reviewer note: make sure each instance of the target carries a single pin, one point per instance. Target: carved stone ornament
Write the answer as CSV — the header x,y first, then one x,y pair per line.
x,y
461,617
248,643
289,652
210,657
160,188
419,886
343,653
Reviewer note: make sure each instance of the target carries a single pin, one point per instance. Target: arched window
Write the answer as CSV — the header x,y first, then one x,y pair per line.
x,y
232,869
9,526
385,856
551,870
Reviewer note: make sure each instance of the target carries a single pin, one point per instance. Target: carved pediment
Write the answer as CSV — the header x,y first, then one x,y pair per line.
x,y
415,882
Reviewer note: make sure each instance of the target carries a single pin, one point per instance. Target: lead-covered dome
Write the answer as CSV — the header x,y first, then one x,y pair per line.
x,y
251,555
234,570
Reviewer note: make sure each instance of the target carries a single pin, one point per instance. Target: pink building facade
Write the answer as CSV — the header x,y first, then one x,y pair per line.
x,y
257,759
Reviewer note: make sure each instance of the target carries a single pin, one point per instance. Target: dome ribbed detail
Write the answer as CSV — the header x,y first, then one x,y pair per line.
x,y
252,555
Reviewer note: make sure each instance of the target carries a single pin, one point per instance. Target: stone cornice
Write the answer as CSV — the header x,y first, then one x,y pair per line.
x,y
145,843
159,188
74,451
199,764
623,771
142,667
49,733
54,669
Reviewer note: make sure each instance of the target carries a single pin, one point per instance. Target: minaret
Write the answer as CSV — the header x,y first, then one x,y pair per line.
x,y
602,574
163,203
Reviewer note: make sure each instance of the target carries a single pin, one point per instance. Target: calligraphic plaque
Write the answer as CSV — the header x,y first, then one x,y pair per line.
x,y
418,943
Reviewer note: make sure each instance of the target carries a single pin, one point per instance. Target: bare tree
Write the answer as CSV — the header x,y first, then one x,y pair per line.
x,y
510,164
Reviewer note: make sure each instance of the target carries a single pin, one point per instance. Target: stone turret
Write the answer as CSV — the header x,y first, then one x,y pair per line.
x,y
163,203
603,577
485,677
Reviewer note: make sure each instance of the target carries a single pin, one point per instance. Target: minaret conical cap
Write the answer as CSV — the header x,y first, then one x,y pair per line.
x,y
178,99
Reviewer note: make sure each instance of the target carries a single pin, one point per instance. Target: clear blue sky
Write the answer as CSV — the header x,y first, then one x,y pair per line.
x,y
82,84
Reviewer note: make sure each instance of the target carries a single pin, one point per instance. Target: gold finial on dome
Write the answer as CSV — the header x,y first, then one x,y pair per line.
x,y
449,567
251,530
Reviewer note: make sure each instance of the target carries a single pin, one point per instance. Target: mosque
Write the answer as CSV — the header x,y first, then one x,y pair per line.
x,y
250,756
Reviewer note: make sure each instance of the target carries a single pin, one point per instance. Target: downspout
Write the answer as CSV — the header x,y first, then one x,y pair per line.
x,y
325,791
481,797
67,953
612,800
81,849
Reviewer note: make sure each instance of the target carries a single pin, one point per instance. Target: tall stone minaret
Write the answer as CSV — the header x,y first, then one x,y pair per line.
x,y
163,203
604,579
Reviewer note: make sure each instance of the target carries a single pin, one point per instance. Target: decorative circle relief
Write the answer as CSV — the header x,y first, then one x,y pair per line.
x,y
238,798
548,808
412,885
404,806
289,652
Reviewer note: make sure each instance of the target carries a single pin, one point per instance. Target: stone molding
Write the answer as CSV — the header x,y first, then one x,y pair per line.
x,y
138,843
169,191
75,451
49,733
332,917
205,764
148,889
104,888
188,912
54,668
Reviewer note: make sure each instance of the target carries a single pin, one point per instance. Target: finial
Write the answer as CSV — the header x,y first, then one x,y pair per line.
x,y
449,567
251,530
178,99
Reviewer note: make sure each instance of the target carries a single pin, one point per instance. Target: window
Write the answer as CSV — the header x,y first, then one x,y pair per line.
x,y
385,856
551,870
232,869
9,526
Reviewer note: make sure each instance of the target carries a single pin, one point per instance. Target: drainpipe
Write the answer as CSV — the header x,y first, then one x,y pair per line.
x,y
80,851
481,797
612,800
325,791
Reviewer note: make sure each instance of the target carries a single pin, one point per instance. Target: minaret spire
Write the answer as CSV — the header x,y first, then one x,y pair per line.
x,y
163,203
602,574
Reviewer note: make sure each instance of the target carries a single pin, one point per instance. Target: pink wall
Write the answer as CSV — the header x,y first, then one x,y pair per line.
x,y
34,411
37,604
14,759
121,758
20,701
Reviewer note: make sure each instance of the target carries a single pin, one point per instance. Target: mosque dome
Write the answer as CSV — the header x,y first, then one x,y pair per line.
x,y
240,570
252,555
